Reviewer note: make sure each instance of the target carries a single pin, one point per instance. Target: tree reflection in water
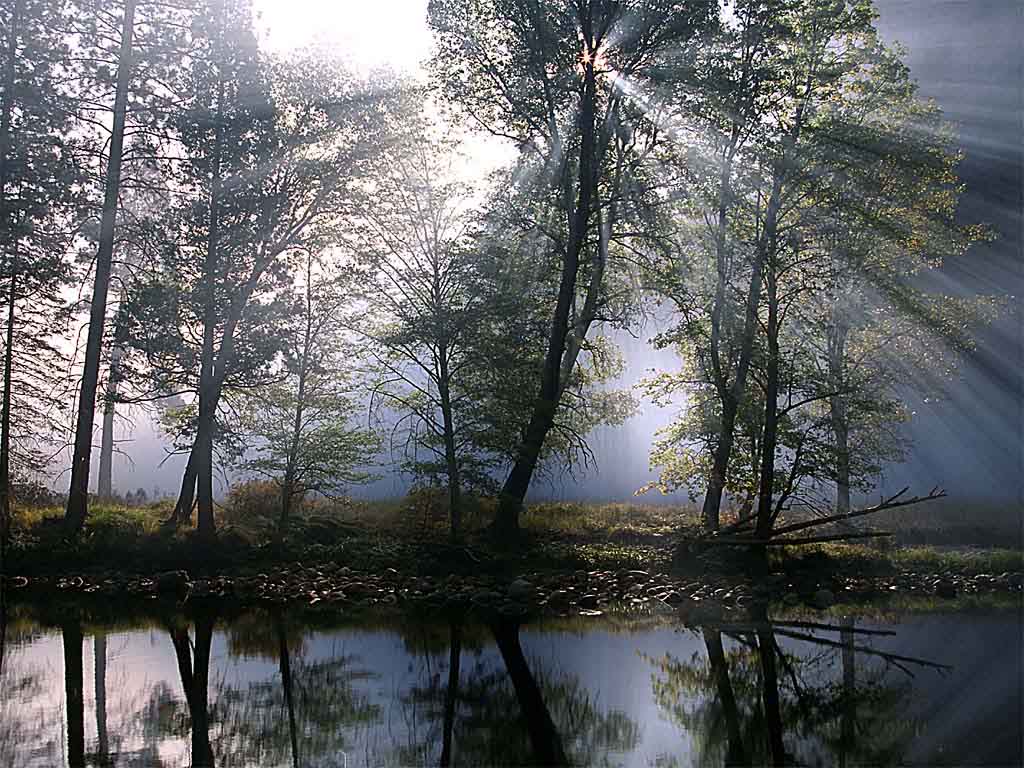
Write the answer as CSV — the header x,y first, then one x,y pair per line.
x,y
759,704
517,712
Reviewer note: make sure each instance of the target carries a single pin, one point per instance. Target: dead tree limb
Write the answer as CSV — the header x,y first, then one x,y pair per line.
x,y
890,503
775,542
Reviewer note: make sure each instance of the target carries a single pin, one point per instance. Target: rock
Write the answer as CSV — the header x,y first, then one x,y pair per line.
x,y
945,588
485,596
172,581
790,599
520,589
588,601
673,598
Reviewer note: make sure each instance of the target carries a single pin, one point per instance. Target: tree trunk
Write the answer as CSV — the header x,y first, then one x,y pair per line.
x,y
547,744
202,753
848,729
838,411
451,693
711,510
770,695
6,108
5,428
208,397
450,457
288,487
183,655
769,439
99,649
723,685
74,698
187,494
104,485
286,684
513,493
78,493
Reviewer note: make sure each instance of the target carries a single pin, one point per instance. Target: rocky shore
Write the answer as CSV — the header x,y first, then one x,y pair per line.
x,y
533,593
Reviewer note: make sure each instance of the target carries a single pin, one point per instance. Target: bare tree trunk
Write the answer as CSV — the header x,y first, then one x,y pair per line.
x,y
286,683
451,693
544,736
542,417
74,698
78,492
99,650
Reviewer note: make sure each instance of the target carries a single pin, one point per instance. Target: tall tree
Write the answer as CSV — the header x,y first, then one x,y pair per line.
x,y
553,78
41,189
78,492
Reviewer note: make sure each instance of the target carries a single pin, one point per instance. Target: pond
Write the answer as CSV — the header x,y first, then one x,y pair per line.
x,y
208,685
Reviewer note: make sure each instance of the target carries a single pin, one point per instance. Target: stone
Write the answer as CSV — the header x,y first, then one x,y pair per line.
x,y
945,588
520,589
172,581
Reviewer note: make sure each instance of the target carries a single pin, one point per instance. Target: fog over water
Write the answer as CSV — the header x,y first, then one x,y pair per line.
x,y
966,55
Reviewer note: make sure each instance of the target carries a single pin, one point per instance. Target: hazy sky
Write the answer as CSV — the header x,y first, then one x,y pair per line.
x,y
370,33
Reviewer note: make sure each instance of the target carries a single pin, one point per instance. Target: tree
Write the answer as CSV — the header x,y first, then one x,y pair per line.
x,y
428,303
78,493
303,422
307,126
141,41
552,78
41,191
836,182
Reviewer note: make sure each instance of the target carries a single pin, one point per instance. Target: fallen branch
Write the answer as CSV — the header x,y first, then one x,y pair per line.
x,y
890,503
774,542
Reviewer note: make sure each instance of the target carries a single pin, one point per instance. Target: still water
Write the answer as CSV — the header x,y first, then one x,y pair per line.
x,y
174,686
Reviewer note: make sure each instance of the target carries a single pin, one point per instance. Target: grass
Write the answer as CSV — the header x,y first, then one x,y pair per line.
x,y
411,534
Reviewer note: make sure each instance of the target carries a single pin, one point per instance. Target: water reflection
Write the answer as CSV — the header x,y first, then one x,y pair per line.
x,y
201,686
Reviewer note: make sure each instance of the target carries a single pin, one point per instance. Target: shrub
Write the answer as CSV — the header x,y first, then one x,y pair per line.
x,y
252,504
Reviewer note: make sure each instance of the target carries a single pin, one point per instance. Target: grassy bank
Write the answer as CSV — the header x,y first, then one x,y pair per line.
x,y
409,536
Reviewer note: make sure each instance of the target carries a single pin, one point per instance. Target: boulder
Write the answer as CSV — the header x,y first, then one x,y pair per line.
x,y
520,589
172,581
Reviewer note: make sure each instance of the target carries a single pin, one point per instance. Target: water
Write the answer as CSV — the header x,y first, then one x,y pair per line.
x,y
174,686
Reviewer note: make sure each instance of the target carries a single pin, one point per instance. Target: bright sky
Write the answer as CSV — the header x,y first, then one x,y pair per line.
x,y
370,34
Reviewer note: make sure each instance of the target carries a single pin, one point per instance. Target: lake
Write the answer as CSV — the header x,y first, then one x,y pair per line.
x,y
197,685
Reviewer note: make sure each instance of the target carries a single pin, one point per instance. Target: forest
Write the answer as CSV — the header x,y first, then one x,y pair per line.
x,y
310,274
297,269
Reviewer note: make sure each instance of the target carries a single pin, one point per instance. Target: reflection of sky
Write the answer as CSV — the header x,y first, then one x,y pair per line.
x,y
969,714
